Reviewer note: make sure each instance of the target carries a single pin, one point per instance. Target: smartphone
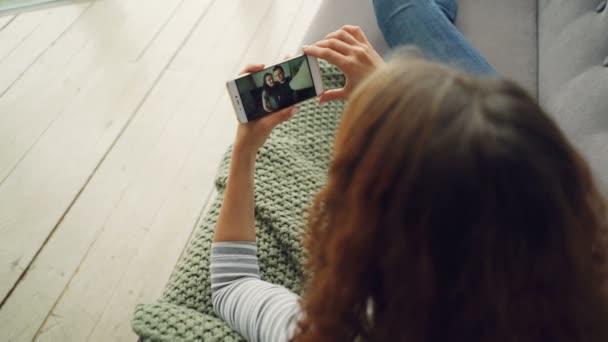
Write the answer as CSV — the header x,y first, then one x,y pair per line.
x,y
276,87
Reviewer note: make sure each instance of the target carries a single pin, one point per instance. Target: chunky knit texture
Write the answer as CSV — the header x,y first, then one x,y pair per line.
x,y
290,169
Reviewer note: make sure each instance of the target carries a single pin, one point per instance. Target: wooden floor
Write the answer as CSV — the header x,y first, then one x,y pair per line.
x,y
113,118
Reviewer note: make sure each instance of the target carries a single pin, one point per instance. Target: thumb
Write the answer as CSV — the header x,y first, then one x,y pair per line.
x,y
280,116
331,95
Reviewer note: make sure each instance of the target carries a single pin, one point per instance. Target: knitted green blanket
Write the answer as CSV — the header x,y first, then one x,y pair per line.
x,y
290,169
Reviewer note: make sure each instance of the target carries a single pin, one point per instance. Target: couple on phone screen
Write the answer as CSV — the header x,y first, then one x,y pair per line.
x,y
277,94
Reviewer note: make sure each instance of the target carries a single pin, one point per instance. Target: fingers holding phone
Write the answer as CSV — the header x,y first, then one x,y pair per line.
x,y
349,49
251,136
249,68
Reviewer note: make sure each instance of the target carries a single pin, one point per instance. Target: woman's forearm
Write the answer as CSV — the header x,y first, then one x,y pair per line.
x,y
236,221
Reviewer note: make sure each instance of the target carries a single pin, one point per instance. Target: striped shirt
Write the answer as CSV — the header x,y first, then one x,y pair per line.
x,y
258,310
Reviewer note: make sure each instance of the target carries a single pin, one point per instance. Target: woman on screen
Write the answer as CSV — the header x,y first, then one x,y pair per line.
x,y
270,98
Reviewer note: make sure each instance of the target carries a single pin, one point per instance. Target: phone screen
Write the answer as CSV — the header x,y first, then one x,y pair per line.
x,y
276,87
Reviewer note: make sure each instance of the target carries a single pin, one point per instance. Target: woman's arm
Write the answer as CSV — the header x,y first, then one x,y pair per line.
x,y
258,310
236,219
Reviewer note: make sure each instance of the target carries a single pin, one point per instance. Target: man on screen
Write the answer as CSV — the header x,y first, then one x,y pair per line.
x,y
284,92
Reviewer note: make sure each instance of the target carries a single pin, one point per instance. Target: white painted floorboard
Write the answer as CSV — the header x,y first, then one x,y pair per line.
x,y
113,119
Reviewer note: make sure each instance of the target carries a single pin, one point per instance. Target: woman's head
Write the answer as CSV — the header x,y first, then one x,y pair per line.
x,y
268,80
455,210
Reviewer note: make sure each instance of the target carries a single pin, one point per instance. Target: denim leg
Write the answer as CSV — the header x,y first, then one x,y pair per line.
x,y
428,25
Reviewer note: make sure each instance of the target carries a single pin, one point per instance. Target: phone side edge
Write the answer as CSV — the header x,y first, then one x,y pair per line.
x,y
235,98
315,72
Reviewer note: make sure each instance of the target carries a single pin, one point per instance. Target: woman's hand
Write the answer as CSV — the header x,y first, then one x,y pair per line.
x,y
349,50
252,135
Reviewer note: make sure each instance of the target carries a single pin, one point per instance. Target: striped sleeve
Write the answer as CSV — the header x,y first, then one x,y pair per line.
x,y
258,310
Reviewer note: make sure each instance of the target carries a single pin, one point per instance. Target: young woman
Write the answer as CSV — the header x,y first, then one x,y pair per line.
x,y
455,208
270,99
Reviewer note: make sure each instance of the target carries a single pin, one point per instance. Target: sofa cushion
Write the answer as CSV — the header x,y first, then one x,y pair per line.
x,y
334,14
573,82
504,31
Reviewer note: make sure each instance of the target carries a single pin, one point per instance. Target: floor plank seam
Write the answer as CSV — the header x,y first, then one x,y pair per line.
x,y
241,57
22,40
48,237
45,50
197,222
35,142
291,27
105,308
8,22
50,314
157,33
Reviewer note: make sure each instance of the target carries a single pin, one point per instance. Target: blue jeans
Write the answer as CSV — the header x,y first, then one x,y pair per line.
x,y
429,25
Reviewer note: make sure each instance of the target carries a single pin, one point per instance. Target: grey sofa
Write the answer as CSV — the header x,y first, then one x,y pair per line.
x,y
556,49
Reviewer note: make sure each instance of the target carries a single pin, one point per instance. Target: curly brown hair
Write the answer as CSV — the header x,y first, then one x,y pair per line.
x,y
455,210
